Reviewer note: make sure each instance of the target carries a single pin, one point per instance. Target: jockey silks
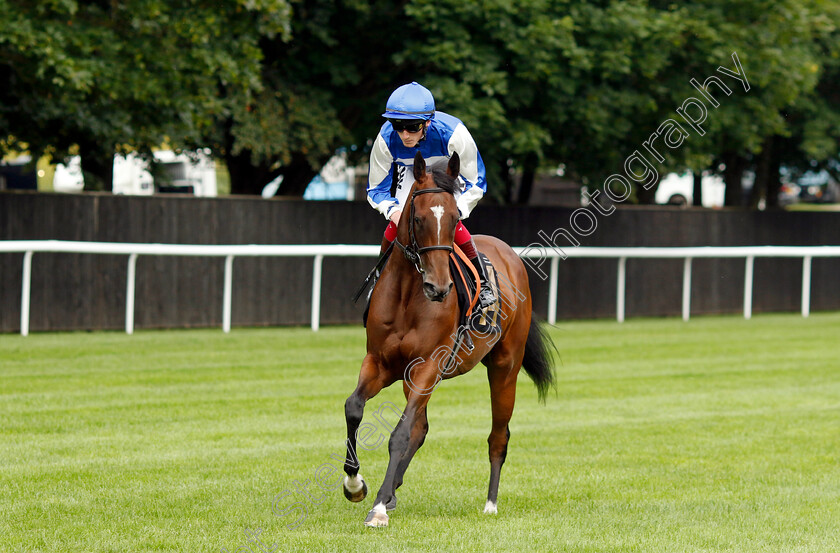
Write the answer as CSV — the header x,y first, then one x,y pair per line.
x,y
392,163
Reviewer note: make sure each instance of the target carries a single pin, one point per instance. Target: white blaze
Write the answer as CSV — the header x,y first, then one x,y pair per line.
x,y
438,211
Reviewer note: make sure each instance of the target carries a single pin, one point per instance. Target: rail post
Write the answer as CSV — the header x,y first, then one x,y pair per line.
x,y
25,293
129,293
228,294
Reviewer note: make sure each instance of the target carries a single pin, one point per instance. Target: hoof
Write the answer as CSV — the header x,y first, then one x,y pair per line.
x,y
490,508
376,519
355,489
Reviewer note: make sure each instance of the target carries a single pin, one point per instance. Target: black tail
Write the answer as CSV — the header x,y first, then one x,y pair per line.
x,y
538,362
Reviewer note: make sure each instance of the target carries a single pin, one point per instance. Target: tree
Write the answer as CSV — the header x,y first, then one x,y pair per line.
x,y
586,83
275,88
323,89
784,48
106,77
812,141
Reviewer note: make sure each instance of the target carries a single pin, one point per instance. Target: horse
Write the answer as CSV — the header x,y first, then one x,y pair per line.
x,y
414,335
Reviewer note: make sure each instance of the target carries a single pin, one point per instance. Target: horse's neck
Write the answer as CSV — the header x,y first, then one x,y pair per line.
x,y
400,278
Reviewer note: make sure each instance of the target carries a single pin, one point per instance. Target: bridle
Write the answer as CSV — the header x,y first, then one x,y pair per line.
x,y
412,251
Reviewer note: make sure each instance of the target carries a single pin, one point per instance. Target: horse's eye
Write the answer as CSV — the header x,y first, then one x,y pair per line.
x,y
417,220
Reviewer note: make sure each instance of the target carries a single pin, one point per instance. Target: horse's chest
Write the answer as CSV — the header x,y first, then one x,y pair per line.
x,y
401,350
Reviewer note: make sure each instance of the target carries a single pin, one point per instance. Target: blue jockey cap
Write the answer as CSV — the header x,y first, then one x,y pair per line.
x,y
410,101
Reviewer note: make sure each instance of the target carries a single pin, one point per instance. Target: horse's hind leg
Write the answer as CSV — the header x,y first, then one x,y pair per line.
x,y
371,381
502,376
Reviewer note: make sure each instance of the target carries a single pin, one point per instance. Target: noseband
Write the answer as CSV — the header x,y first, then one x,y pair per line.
x,y
412,251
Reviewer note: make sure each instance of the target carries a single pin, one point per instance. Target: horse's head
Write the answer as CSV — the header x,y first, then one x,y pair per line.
x,y
431,224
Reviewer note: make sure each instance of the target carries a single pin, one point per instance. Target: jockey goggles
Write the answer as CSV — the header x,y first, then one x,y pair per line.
x,y
410,125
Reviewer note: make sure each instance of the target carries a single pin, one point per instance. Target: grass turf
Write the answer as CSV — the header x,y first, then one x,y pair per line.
x,y
718,434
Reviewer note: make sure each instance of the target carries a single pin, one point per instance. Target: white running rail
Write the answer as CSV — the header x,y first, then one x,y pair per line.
x,y
318,252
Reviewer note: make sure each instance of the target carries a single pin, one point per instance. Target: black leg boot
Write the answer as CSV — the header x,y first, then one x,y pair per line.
x,y
486,297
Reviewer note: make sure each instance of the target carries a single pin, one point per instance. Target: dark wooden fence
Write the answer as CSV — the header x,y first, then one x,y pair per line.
x,y
75,291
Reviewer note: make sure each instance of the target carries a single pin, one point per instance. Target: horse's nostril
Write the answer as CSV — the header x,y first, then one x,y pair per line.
x,y
434,293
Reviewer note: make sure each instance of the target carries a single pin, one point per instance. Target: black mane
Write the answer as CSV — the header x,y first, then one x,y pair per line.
x,y
443,180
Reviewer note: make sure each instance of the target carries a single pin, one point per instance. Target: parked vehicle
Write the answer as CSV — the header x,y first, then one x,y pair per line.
x,y
18,173
789,194
193,173
68,176
817,187
185,173
678,189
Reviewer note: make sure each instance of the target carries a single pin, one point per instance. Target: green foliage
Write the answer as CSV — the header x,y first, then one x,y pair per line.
x,y
586,83
282,120
276,86
126,75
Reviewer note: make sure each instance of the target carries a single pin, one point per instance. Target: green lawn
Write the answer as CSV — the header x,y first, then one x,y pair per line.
x,y
718,434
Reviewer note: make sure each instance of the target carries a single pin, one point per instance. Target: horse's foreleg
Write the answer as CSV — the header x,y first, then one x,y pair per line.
x,y
416,439
371,381
502,395
406,438
418,436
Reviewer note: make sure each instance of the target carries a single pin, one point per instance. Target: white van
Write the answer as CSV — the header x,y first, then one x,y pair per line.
x,y
68,176
678,189
193,173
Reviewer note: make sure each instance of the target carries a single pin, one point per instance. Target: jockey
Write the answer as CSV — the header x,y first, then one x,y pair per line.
x,y
413,125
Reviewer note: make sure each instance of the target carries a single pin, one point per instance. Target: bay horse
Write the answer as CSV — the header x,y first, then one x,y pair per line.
x,y
413,336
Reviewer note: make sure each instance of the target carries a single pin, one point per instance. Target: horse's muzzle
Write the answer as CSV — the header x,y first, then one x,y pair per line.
x,y
436,293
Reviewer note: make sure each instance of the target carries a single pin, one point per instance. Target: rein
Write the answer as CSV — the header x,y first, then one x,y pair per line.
x,y
412,251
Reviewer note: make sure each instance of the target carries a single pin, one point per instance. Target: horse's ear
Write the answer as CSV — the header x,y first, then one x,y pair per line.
x,y
453,169
419,166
